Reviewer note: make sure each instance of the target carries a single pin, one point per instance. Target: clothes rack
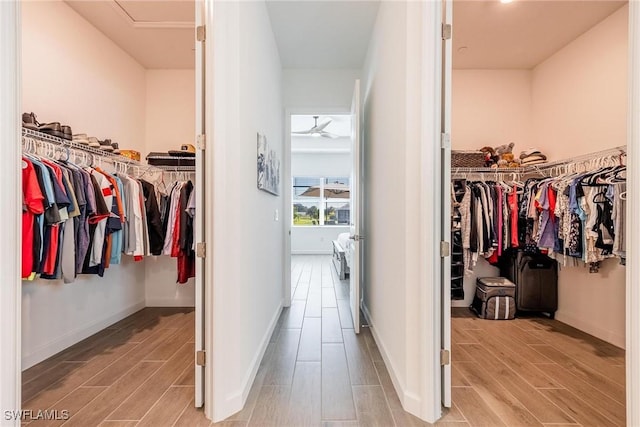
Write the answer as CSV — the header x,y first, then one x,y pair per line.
x,y
34,141
572,209
79,217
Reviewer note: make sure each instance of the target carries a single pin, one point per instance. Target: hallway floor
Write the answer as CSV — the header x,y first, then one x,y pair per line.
x,y
317,372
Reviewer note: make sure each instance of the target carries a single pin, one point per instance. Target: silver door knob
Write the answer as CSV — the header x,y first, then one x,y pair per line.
x,y
356,237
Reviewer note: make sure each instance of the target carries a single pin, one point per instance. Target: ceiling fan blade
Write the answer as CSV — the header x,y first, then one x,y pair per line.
x,y
329,135
303,132
321,126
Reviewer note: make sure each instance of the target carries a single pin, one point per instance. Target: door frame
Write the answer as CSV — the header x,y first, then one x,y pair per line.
x,y
11,190
286,178
11,194
633,228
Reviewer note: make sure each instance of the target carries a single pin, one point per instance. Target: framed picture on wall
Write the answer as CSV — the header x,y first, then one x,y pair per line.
x,y
268,167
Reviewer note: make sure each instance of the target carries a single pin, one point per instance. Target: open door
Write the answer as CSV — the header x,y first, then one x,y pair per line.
x,y
199,220
447,9
356,211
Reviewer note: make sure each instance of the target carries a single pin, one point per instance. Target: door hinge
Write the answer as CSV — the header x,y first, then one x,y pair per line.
x,y
201,142
201,33
445,357
446,31
201,358
444,249
445,140
201,250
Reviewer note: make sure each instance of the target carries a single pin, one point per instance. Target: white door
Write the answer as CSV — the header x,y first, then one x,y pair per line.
x,y
199,221
446,202
355,251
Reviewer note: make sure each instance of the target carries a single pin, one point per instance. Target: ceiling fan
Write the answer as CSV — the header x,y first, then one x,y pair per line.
x,y
318,129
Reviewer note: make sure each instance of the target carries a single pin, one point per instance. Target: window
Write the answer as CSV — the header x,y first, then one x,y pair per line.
x,y
321,201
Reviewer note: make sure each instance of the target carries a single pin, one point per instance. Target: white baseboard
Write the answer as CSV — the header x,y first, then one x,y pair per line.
x,y
612,337
460,303
170,302
47,350
410,402
236,401
312,252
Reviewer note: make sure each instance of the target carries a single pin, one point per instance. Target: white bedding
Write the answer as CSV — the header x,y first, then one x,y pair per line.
x,y
345,242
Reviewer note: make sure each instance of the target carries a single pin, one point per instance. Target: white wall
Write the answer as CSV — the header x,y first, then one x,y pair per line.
x,y
73,74
170,109
246,265
580,106
309,239
384,131
397,134
170,122
491,108
311,88
579,94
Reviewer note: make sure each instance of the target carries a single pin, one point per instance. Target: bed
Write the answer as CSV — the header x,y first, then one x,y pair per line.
x,y
340,258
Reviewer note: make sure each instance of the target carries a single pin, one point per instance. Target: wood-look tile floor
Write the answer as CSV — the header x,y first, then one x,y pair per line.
x,y
533,371
317,372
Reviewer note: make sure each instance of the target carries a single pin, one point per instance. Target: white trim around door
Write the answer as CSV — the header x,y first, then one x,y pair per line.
x,y
10,194
633,227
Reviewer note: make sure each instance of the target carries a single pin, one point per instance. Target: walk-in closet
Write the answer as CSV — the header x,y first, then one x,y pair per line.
x,y
538,197
109,213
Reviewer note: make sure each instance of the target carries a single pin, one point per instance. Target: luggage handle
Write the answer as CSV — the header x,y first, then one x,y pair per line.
x,y
538,264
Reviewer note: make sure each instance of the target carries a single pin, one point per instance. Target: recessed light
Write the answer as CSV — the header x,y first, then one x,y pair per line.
x,y
506,1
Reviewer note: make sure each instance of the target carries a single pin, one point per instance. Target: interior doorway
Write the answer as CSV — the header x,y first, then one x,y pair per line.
x,y
98,323
319,208
576,341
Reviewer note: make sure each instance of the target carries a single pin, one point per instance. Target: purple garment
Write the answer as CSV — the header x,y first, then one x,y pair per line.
x,y
547,228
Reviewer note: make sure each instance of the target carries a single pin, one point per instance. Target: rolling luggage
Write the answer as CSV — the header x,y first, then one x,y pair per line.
x,y
536,280
494,298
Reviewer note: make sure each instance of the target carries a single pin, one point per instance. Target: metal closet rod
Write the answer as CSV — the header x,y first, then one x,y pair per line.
x,y
543,167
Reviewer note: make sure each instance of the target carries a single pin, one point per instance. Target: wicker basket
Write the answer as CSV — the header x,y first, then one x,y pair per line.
x,y
467,159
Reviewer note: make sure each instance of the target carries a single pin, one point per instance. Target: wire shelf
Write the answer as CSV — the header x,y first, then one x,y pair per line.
x,y
103,155
543,169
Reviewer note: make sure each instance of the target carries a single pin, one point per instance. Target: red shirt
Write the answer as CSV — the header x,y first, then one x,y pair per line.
x,y
32,205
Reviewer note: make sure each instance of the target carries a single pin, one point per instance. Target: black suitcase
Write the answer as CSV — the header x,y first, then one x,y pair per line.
x,y
536,280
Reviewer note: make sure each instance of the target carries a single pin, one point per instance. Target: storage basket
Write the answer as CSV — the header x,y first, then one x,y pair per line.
x,y
467,159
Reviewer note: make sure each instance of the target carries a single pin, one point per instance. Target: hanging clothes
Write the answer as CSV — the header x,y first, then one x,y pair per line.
x,y
577,219
81,219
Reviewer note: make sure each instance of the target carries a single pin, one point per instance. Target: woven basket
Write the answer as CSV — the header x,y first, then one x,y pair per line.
x,y
467,159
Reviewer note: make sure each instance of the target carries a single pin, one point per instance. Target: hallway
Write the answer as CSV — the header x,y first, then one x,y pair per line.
x,y
316,371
